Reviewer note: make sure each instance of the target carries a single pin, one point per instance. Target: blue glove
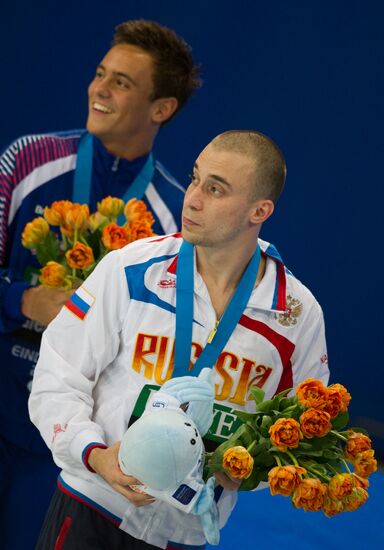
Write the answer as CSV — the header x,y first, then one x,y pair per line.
x,y
198,393
206,508
189,388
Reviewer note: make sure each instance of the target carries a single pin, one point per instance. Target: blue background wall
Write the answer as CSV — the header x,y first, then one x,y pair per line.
x,y
308,74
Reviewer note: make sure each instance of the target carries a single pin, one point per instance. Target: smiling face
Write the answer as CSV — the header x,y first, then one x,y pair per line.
x,y
120,105
218,211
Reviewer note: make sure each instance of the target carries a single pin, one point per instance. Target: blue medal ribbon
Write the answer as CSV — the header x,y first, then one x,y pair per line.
x,y
83,172
184,311
83,175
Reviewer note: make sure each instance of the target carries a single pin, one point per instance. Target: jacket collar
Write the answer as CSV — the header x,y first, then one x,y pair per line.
x,y
270,294
111,163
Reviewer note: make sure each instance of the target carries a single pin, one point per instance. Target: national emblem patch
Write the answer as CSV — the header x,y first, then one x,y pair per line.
x,y
291,314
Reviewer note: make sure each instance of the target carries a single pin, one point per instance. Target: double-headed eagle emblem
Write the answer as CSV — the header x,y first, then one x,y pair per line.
x,y
292,312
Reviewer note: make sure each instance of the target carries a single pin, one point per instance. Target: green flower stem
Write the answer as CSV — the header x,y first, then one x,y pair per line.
x,y
332,469
251,446
337,434
346,466
319,474
277,458
292,457
284,460
289,409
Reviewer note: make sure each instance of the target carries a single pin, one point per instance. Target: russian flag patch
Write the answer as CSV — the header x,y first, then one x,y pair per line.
x,y
80,302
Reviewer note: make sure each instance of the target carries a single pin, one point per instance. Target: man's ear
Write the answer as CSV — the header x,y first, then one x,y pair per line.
x,y
163,109
261,211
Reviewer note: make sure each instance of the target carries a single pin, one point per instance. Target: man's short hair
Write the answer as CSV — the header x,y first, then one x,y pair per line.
x,y
174,73
270,168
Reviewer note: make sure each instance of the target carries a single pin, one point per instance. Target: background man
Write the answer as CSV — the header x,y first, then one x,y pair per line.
x,y
140,84
259,324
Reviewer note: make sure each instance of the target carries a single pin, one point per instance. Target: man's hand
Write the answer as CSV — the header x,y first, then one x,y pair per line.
x,y
105,463
229,483
42,304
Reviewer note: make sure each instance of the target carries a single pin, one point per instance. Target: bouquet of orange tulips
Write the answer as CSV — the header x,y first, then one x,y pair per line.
x,y
69,253
301,446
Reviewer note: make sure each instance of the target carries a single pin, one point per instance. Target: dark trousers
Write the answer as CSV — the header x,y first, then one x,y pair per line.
x,y
72,525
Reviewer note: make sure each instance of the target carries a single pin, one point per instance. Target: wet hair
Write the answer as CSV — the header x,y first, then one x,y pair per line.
x,y
270,168
174,72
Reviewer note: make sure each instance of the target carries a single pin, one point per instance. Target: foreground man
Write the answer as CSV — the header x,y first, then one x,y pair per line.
x,y
231,304
142,81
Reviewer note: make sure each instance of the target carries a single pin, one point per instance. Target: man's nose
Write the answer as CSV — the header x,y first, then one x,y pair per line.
x,y
102,88
194,197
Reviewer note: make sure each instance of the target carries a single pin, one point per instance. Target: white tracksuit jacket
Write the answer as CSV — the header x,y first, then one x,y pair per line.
x,y
115,337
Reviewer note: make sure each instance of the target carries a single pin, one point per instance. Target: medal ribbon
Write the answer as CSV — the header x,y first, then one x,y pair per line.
x,y
83,175
184,312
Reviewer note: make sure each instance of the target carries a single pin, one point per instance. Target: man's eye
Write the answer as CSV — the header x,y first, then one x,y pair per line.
x,y
192,178
215,190
122,84
99,74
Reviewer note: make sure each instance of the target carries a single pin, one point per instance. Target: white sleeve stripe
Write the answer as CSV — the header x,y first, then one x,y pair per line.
x,y
38,177
160,209
7,163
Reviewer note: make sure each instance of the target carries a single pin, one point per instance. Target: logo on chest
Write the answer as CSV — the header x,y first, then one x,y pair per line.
x,y
167,283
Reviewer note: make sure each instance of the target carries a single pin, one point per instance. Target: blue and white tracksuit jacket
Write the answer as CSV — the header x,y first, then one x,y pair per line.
x,y
34,172
113,343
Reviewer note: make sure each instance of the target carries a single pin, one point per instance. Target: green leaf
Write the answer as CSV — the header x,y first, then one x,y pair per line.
x,y
319,443
282,394
265,441
214,467
335,465
93,240
305,446
246,417
329,453
268,406
264,425
288,402
280,401
49,250
340,421
258,450
307,463
257,475
266,422
247,435
312,452
265,459
320,468
257,394
242,431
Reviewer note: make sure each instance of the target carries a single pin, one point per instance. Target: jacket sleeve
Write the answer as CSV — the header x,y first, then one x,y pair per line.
x,y
11,289
76,347
310,358
11,293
